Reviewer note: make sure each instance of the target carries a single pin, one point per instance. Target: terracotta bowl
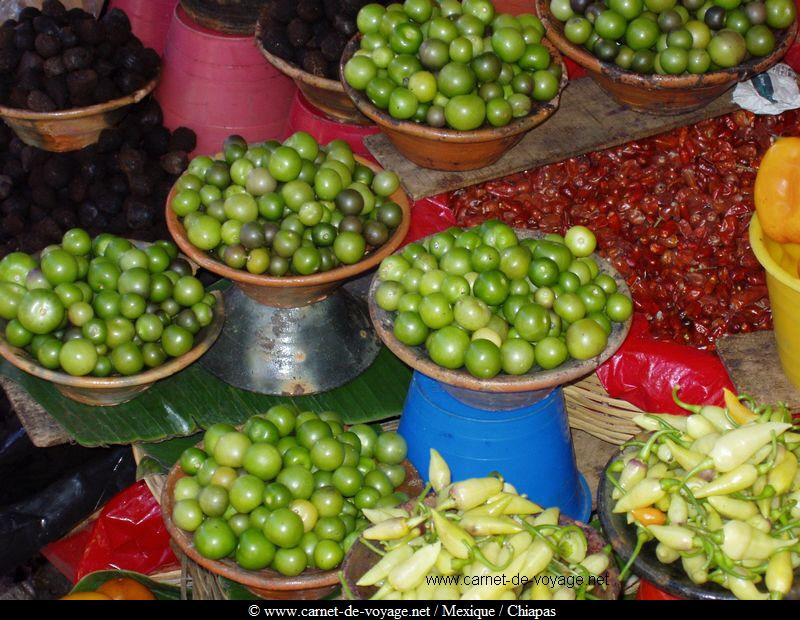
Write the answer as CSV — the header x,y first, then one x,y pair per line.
x,y
485,392
70,130
664,95
267,583
449,149
324,94
291,291
361,558
110,391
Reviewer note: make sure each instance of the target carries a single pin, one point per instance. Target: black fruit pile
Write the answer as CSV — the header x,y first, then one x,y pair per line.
x,y
118,185
54,59
310,33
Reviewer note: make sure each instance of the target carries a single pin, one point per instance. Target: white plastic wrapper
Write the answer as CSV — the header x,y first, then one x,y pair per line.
x,y
772,92
9,9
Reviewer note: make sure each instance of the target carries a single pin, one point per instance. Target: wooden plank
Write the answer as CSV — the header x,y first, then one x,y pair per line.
x,y
587,120
42,429
753,365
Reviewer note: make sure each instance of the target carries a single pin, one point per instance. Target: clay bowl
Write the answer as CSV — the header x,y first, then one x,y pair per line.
x,y
110,391
671,578
291,291
361,558
267,583
513,389
324,94
665,95
70,130
449,149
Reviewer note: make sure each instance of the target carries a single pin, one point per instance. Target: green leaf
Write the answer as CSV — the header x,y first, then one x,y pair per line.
x,y
161,591
193,399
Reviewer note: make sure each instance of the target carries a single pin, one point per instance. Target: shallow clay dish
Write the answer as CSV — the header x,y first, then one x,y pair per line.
x,y
361,558
324,94
450,149
418,359
110,391
310,584
74,129
291,291
661,94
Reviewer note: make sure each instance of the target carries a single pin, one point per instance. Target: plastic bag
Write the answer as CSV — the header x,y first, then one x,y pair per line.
x,y
644,370
771,92
128,534
72,487
430,215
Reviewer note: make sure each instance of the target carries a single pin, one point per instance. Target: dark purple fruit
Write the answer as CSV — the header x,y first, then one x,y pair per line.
x,y
77,58
183,139
298,32
175,162
54,9
47,45
56,89
53,66
309,10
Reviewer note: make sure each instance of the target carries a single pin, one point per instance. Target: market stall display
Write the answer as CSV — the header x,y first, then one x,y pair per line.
x,y
716,492
67,76
303,116
426,105
117,185
282,524
103,319
476,413
479,527
305,41
667,57
679,236
297,334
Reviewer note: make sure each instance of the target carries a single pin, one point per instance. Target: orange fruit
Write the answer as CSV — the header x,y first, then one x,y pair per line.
x,y
86,596
126,589
777,191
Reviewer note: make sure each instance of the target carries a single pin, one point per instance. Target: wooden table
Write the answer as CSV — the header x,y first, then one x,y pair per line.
x,y
587,120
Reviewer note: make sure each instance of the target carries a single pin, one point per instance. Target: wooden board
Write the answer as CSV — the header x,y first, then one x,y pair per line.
x,y
42,429
753,365
587,120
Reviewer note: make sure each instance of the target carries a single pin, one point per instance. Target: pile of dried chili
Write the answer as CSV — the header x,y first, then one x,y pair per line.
x,y
670,212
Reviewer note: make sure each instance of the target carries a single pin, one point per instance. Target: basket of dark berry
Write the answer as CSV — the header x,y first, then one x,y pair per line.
x,y
117,185
304,39
65,75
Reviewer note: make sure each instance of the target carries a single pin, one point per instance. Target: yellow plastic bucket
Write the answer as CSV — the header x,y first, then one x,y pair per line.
x,y
781,261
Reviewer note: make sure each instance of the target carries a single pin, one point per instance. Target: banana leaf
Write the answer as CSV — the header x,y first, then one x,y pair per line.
x,y
193,399
94,580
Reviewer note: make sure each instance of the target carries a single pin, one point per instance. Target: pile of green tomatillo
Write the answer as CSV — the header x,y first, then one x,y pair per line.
x,y
483,299
453,64
102,306
287,491
672,37
295,208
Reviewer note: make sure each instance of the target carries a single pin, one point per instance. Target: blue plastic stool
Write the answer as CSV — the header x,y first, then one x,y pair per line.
x,y
524,436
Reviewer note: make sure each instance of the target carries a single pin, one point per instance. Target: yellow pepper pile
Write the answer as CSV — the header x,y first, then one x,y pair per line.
x,y
719,491
478,539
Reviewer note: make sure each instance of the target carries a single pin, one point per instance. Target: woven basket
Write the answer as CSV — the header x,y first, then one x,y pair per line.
x,y
593,411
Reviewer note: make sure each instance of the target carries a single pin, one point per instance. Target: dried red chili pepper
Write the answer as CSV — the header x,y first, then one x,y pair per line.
x,y
671,214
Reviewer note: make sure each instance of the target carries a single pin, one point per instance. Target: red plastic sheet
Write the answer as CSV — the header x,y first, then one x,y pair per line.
x,y
644,371
129,534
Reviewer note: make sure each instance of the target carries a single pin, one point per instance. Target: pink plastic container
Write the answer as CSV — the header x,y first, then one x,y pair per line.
x,y
150,19
219,85
305,117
